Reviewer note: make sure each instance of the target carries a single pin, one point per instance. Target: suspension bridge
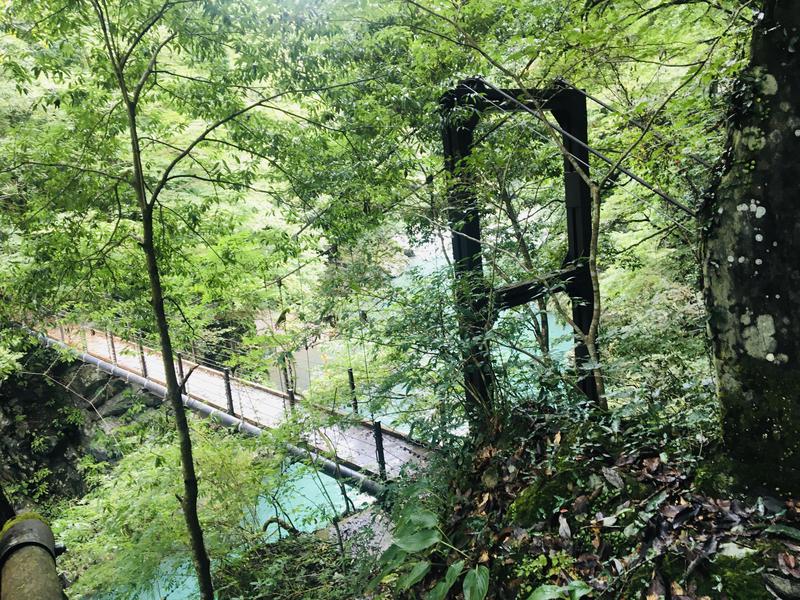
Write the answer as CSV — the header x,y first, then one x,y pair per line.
x,y
349,446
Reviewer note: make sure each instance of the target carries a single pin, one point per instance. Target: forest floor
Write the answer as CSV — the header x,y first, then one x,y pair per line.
x,y
616,509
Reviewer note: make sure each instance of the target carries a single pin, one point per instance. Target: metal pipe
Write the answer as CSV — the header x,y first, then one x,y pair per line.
x,y
327,466
27,561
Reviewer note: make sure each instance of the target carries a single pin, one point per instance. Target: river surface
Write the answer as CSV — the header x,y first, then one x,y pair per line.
x,y
310,503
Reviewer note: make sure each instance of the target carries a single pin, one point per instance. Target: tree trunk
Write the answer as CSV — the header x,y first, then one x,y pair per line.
x,y
200,558
7,511
752,259
190,491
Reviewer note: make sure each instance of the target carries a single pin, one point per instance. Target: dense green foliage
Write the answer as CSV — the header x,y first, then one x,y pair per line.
x,y
292,152
126,532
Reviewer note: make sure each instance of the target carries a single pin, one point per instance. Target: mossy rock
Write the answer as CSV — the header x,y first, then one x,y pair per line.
x,y
539,500
736,576
715,477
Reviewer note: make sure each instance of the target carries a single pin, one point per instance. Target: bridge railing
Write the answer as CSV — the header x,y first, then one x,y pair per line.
x,y
77,336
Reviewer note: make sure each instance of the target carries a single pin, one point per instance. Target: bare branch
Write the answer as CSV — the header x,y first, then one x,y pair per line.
x,y
64,166
137,90
147,27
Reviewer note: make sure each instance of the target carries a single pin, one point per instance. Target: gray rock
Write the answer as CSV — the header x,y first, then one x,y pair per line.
x,y
788,589
118,405
150,401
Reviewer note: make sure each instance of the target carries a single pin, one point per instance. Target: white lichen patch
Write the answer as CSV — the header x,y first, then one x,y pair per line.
x,y
759,237
753,138
759,338
769,85
760,212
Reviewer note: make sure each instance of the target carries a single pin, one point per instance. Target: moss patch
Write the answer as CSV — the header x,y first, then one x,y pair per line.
x,y
539,500
735,577
23,517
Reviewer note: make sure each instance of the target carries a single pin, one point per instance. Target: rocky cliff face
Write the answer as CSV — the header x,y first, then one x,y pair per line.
x,y
55,419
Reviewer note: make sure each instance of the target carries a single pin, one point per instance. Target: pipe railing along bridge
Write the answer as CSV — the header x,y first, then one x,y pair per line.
x,y
352,448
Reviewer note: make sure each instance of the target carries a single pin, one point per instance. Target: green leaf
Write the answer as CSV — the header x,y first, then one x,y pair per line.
x,y
476,583
424,518
656,501
439,592
413,520
391,559
575,590
417,572
418,541
578,589
785,531
548,592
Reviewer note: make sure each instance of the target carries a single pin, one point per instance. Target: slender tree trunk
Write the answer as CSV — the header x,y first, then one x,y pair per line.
x,y
539,321
7,511
594,276
752,259
190,492
200,558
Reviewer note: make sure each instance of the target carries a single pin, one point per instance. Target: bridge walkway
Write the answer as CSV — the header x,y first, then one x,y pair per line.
x,y
353,442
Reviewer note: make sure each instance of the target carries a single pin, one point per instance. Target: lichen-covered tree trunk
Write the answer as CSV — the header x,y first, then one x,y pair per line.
x,y
752,259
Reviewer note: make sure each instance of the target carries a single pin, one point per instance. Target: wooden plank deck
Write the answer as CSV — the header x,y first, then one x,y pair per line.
x,y
353,443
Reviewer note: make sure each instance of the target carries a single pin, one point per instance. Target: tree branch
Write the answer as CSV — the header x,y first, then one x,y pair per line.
x,y
230,117
137,90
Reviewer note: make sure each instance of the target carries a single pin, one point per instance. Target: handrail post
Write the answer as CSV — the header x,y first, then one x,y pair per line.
x,y
142,361
285,382
353,397
378,431
228,393
111,348
61,331
85,340
181,381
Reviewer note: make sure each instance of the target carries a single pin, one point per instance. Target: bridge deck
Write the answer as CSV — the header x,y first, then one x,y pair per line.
x,y
353,443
